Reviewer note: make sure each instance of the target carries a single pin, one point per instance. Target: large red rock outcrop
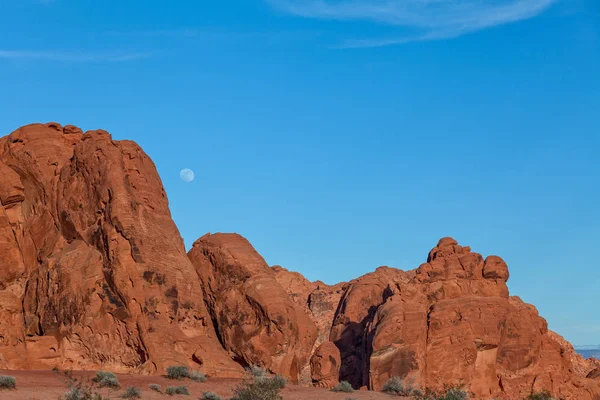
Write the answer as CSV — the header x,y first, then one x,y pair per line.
x,y
93,272
453,321
257,321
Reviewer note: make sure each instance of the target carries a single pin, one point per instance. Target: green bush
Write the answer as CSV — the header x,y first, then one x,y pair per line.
x,y
257,372
343,386
181,372
171,390
79,388
131,393
196,376
82,388
279,381
545,395
156,387
210,396
259,386
106,380
455,393
450,393
178,372
103,375
7,382
400,387
80,393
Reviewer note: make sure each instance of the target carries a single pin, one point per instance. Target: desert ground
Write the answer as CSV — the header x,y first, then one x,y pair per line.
x,y
46,385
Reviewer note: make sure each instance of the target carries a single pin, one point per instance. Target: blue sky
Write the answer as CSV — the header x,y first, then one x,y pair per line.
x,y
341,135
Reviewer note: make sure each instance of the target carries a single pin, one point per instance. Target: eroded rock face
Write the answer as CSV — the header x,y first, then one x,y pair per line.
x,y
91,253
317,299
454,322
581,366
358,305
257,321
94,275
325,365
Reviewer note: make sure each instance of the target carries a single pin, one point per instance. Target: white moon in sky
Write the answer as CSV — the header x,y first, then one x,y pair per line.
x,y
186,175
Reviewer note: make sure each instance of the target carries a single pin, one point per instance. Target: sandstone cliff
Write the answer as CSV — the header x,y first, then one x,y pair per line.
x,y
93,271
94,275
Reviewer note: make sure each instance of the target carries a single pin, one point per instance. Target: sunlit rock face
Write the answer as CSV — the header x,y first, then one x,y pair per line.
x,y
94,275
258,323
93,272
452,321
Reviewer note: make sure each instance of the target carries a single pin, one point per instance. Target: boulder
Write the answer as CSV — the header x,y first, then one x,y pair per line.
x,y
256,320
325,365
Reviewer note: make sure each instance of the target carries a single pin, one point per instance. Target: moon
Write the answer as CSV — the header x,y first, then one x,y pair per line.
x,y
186,175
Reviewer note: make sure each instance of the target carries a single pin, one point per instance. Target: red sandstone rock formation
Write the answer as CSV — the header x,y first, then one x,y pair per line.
x,y
325,365
358,305
581,366
93,272
317,299
257,322
453,321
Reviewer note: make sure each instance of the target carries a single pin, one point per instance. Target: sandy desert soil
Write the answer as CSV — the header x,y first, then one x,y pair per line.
x,y
46,385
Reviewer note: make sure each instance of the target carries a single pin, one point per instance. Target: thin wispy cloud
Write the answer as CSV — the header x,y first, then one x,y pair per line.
x,y
428,19
61,56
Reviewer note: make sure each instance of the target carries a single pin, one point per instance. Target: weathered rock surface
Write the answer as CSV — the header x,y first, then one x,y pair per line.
x,y
94,275
93,272
581,366
453,321
317,299
257,321
325,365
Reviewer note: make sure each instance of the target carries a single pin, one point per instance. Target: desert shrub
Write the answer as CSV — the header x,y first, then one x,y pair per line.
x,y
279,381
449,393
196,376
79,388
77,393
178,372
102,375
182,372
109,382
257,372
545,395
210,396
259,386
7,382
400,387
171,390
131,393
156,387
343,386
455,393
106,380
